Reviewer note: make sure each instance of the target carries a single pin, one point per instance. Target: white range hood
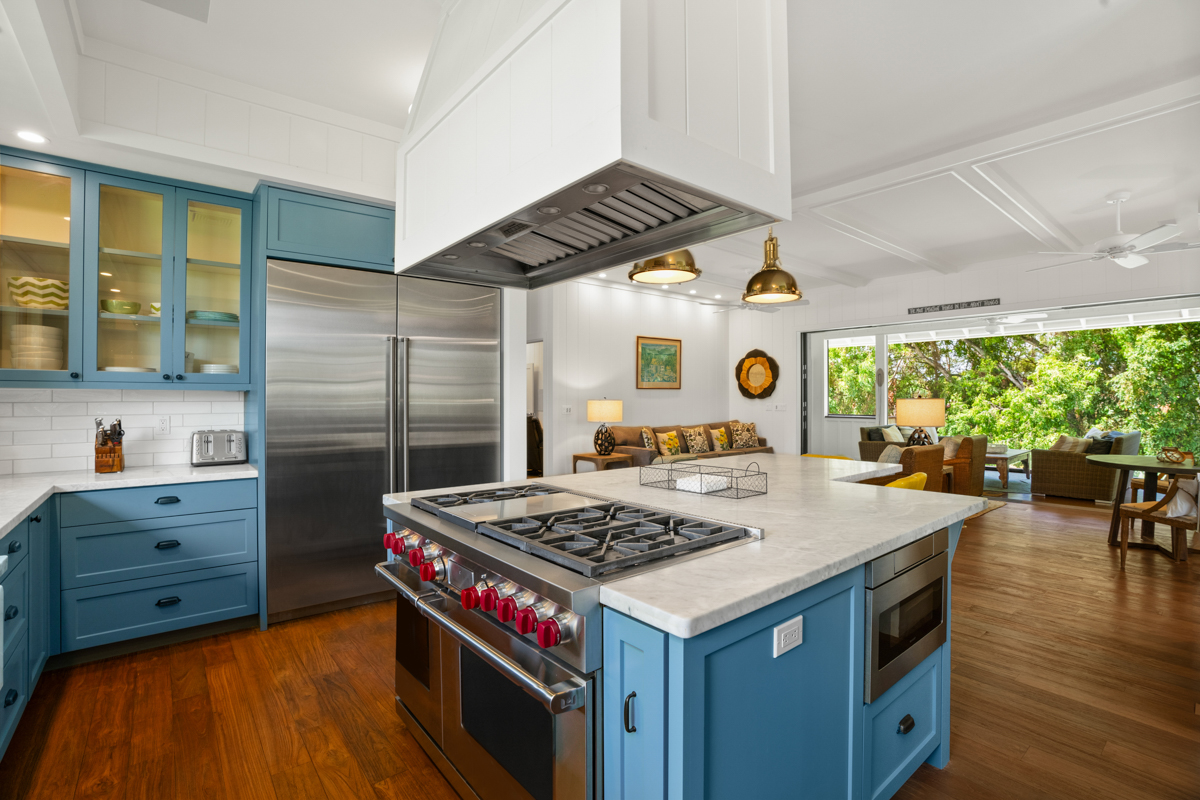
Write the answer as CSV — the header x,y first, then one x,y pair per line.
x,y
597,133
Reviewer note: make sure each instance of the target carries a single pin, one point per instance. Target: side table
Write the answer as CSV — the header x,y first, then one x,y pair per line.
x,y
601,462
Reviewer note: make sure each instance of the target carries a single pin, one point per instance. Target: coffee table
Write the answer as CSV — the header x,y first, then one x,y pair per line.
x,y
1002,462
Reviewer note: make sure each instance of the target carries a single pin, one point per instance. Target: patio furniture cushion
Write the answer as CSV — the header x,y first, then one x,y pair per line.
x,y
891,454
1099,447
1071,444
697,440
951,444
892,434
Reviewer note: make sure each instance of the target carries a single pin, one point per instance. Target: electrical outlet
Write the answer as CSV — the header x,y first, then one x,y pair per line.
x,y
788,635
781,406
566,409
164,426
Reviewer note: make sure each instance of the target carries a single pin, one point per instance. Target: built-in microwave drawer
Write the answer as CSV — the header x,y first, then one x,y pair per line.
x,y
150,502
121,551
901,730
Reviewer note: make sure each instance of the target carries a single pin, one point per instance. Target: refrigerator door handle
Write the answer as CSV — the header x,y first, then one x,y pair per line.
x,y
402,426
389,404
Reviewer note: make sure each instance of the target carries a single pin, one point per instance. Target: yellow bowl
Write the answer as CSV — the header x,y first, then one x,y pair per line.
x,y
120,306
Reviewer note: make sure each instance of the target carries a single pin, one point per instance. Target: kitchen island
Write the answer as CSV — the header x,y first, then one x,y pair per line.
x,y
700,700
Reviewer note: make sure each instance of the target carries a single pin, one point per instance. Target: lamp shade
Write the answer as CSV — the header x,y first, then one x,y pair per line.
x,y
604,410
676,267
921,412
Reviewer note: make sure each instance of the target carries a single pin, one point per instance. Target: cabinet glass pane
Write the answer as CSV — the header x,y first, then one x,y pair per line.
x,y
35,269
214,276
130,282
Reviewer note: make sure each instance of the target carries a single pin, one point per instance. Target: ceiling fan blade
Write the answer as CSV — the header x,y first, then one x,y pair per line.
x,y
1065,263
1151,238
1170,248
1066,253
1131,260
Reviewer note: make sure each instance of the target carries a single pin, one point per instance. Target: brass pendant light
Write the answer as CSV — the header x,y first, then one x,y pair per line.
x,y
772,283
676,267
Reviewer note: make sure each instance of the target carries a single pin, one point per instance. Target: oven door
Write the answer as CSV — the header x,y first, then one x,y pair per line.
x,y
515,723
906,622
418,653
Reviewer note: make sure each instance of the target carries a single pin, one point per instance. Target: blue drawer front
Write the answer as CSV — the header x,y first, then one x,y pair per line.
x,y
889,755
121,551
150,502
306,224
115,612
16,544
14,693
16,605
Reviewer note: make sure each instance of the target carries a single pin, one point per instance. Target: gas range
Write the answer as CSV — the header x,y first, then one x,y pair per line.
x,y
532,557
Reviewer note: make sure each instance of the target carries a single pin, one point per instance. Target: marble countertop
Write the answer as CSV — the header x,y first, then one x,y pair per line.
x,y
817,523
20,495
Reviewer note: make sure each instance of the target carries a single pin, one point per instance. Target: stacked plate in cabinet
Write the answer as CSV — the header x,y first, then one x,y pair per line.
x,y
218,369
212,316
36,347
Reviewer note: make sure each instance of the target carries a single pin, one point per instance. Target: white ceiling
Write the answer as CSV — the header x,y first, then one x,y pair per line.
x,y
362,57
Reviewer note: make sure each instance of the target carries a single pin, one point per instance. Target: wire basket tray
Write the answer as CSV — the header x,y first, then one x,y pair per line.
x,y
732,482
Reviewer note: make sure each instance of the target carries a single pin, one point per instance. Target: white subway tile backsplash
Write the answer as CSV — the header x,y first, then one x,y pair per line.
x,y
44,430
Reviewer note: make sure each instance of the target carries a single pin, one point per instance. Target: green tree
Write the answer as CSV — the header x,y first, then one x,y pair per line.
x,y
851,380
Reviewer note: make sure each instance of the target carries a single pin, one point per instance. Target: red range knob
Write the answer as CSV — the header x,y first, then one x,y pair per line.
x,y
416,557
470,596
488,599
526,621
506,609
389,540
549,634
428,570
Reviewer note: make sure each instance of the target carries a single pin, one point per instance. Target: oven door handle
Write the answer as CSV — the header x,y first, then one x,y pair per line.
x,y
559,698
406,591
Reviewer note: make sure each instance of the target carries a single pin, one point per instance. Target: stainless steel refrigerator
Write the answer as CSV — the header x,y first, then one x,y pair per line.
x,y
375,384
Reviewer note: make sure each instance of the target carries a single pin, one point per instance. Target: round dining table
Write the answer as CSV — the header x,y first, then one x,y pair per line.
x,y
1152,468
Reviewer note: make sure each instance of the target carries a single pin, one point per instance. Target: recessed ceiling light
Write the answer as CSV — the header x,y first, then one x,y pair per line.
x,y
68,219
596,188
476,244
450,257
549,210
602,275
106,274
118,291
693,291
30,136
717,296
665,286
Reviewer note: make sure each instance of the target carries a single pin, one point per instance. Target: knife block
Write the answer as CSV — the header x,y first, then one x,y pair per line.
x,y
110,458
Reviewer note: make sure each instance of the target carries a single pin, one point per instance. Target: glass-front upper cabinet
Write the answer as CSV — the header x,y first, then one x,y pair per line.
x,y
129,271
212,288
41,270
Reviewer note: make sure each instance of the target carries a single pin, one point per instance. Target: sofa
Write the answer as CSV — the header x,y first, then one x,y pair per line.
x,y
629,442
1059,473
927,458
968,463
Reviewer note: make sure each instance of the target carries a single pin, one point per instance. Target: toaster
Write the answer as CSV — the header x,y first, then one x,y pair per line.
x,y
218,447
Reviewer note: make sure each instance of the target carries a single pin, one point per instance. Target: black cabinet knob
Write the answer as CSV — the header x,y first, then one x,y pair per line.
x,y
166,377
179,377
75,375
629,726
10,698
168,601
906,725
11,613
14,547
36,518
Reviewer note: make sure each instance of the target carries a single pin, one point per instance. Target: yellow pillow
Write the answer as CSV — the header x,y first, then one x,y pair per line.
x,y
720,439
668,444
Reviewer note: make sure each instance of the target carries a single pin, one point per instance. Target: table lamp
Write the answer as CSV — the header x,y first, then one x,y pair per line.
x,y
604,411
920,413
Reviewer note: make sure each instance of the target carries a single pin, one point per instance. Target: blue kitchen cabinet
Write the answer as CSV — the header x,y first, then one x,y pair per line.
x,y
309,227
902,728
43,588
635,705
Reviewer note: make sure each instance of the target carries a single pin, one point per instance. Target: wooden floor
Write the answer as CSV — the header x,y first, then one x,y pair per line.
x,y
1070,680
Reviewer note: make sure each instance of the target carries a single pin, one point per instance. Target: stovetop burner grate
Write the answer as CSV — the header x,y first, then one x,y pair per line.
x,y
432,503
602,538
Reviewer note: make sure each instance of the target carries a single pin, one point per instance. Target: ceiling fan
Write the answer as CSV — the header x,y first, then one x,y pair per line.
x,y
1127,249
766,309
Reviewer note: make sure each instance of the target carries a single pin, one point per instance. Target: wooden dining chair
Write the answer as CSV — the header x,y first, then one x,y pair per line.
x,y
1155,511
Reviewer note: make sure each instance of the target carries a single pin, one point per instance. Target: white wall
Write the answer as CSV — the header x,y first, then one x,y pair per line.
x,y
50,430
589,353
887,301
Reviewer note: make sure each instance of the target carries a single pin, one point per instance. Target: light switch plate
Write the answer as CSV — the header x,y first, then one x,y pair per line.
x,y
789,635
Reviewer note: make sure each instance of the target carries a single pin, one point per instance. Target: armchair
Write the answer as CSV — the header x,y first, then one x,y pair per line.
x,y
926,459
1061,474
968,465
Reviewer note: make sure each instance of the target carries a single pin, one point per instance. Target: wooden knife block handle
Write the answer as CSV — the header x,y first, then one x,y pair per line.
x,y
110,458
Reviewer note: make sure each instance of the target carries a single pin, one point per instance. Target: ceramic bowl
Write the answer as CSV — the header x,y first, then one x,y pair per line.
x,y
43,293
120,306
37,330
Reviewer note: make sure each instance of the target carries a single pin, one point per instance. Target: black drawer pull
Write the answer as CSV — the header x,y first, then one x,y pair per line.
x,y
167,545
37,518
168,601
11,613
166,501
906,725
10,697
14,547
629,726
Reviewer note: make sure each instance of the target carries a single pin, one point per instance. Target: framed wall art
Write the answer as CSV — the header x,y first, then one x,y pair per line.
x,y
658,362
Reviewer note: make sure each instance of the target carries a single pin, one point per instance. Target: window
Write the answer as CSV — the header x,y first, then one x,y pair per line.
x,y
850,377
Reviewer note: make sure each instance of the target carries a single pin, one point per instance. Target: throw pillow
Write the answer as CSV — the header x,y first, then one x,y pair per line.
x,y
1070,444
697,442
668,444
891,454
720,438
1093,433
950,444
744,435
1099,447
892,434
648,439
874,435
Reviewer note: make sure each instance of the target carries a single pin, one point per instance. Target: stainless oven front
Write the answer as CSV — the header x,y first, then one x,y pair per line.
x,y
906,610
501,718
